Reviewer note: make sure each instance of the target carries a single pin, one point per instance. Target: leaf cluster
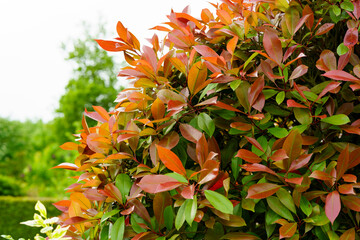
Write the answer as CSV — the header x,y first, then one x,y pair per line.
x,y
242,124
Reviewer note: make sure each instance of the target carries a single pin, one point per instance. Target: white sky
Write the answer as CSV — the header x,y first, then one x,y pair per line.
x,y
33,72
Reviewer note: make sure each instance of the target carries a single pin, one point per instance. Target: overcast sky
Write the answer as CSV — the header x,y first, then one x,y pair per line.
x,y
33,73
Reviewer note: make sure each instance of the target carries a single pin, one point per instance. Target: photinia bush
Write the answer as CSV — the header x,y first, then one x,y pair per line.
x,y
243,124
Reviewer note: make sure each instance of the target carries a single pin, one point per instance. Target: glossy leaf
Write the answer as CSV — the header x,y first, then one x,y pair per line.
x,y
332,206
348,234
324,29
275,205
286,199
190,210
219,201
180,216
206,123
262,190
339,119
248,156
352,202
292,146
341,75
196,78
170,160
272,46
161,201
118,229
288,230
158,183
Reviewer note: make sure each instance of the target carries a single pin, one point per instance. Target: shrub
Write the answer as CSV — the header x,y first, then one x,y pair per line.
x,y
9,186
240,125
14,210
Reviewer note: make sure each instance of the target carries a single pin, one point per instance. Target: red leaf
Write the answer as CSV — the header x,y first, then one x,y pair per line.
x,y
350,178
352,202
190,133
102,112
188,192
248,156
332,206
226,106
255,143
292,146
189,18
255,167
351,37
310,20
300,162
354,158
292,103
321,175
170,140
346,189
299,71
160,202
255,89
341,75
302,20
170,160
241,126
262,190
331,86
279,155
94,115
324,29
272,46
158,183
205,51
210,171
342,162
327,61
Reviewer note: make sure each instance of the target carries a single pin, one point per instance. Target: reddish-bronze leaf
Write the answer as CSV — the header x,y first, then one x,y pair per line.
x,y
310,20
262,190
351,37
350,178
160,202
346,189
158,183
170,160
348,234
205,51
112,46
226,106
354,158
248,156
292,103
342,163
256,167
255,89
190,133
202,150
299,71
287,230
272,46
68,166
170,140
279,155
327,61
332,205
352,202
324,28
300,162
231,45
241,126
254,142
292,146
321,175
210,170
341,75
81,200
331,86
188,192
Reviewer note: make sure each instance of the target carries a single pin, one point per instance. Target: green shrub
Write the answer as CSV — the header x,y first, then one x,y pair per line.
x,y
14,210
9,186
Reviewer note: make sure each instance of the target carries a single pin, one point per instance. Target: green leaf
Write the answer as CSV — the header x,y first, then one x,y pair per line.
x,y
117,231
336,10
303,115
342,49
177,176
219,202
339,119
235,84
206,123
169,217
305,206
180,216
279,208
278,132
190,210
40,208
286,199
250,59
123,183
347,6
280,97
108,215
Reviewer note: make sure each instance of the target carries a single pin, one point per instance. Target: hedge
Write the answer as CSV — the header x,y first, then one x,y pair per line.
x,y
14,210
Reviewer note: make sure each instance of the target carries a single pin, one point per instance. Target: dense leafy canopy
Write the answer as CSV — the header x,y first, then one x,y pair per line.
x,y
242,124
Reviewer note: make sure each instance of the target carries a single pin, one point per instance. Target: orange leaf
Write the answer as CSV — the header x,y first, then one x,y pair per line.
x,y
158,183
170,160
342,163
197,76
241,126
231,45
81,200
349,178
287,230
255,143
346,189
352,202
70,146
348,234
262,190
292,146
102,112
272,46
248,156
158,109
321,175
